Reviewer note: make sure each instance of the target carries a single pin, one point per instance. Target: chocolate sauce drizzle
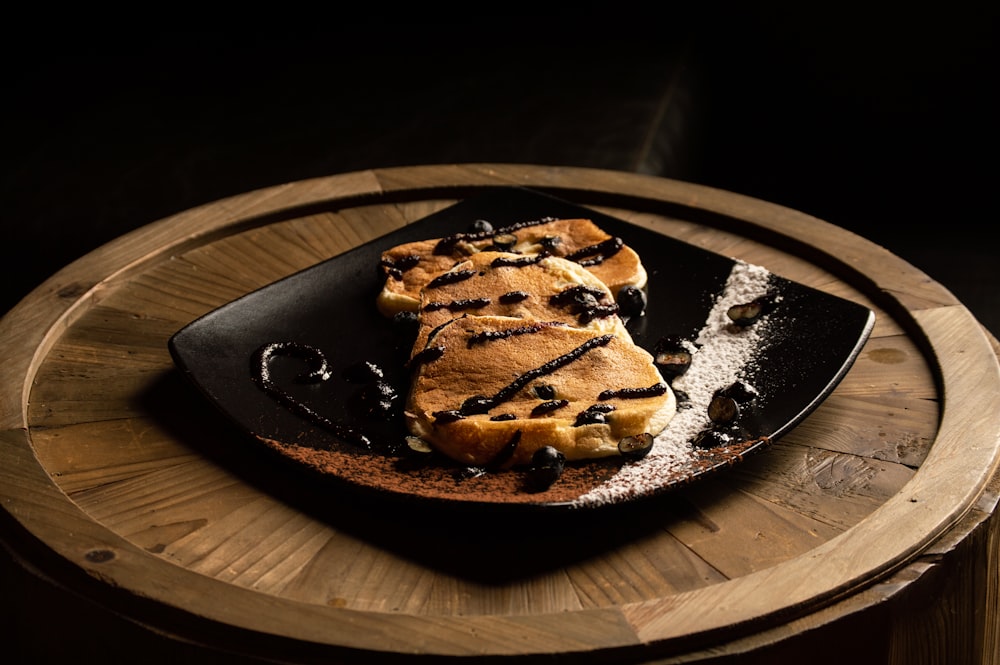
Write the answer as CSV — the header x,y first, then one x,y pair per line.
x,y
496,464
506,453
634,393
484,404
396,268
519,262
594,414
449,416
495,335
549,406
599,252
447,245
426,355
599,312
260,365
450,277
590,417
430,353
457,305
512,297
589,256
585,302
576,295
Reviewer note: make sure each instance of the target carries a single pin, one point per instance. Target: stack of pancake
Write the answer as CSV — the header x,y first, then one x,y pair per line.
x,y
520,343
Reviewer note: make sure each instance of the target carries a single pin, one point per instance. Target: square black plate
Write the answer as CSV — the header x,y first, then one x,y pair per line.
x,y
331,307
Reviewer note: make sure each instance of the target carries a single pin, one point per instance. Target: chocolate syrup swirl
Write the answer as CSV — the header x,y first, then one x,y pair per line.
x,y
599,312
512,297
578,296
450,277
457,305
598,253
396,268
260,365
495,335
549,406
519,262
506,453
448,416
261,359
634,393
476,404
589,417
585,302
426,355
594,414
447,245
484,404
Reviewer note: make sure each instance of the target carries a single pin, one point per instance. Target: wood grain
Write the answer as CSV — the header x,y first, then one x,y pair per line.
x,y
112,463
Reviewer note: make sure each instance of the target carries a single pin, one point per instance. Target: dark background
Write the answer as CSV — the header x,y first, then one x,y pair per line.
x,y
873,119
878,120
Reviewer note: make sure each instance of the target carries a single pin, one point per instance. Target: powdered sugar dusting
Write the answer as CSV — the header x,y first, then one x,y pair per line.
x,y
721,354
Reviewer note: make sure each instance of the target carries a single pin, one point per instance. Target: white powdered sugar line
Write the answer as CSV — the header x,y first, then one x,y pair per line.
x,y
721,352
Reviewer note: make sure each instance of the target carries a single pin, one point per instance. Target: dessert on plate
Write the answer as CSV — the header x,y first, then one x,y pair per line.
x,y
410,266
497,389
534,288
520,345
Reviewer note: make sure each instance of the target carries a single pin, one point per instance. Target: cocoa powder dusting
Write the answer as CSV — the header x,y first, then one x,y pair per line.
x,y
437,478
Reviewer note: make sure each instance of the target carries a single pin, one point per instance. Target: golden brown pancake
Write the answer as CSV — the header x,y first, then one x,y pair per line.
x,y
538,384
409,267
530,287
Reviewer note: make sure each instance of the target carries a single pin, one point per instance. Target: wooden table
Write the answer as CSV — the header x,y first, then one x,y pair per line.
x,y
867,533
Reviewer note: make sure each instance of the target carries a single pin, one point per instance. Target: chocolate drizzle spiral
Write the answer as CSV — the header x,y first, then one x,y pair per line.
x,y
260,365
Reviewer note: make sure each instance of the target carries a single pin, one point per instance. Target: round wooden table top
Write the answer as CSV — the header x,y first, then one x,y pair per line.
x,y
116,466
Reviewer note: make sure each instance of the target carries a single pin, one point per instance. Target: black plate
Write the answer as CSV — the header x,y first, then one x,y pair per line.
x,y
813,340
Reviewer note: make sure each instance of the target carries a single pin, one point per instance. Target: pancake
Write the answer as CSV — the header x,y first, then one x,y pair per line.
x,y
410,266
533,288
487,388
